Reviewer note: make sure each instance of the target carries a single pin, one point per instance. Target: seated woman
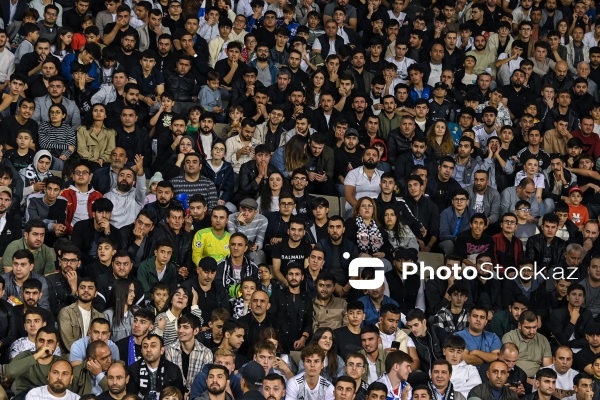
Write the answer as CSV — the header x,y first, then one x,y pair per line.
x,y
334,365
399,234
269,196
221,173
57,136
95,141
120,315
291,156
173,166
440,140
34,175
362,228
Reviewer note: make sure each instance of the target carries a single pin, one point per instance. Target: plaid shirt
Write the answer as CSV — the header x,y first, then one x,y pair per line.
x,y
445,320
199,357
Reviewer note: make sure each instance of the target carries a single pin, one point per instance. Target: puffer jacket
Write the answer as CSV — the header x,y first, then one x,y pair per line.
x,y
223,179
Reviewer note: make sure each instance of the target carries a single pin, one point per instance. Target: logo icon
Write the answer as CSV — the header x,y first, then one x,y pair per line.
x,y
354,272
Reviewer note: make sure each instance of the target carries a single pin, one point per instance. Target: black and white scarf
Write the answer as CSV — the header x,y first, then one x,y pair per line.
x,y
449,395
368,238
145,389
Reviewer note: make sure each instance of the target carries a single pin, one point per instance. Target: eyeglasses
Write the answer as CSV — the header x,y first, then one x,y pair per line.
x,y
51,14
524,209
286,204
69,261
459,200
55,112
299,178
509,222
81,173
219,149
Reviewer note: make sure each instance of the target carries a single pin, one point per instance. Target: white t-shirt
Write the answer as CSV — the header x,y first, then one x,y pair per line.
x,y
42,393
87,317
297,388
372,372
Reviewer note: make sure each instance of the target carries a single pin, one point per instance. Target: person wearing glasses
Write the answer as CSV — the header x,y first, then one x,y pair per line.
x,y
220,172
508,248
525,227
454,220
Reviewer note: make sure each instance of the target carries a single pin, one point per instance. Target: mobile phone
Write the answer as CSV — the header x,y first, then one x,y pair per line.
x,y
396,345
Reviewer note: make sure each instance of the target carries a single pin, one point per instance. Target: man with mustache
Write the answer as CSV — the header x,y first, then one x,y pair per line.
x,y
256,321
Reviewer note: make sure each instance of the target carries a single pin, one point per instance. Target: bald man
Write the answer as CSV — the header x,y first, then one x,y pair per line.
x,y
59,379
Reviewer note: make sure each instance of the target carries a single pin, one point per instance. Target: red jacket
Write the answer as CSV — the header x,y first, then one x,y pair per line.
x,y
71,197
500,245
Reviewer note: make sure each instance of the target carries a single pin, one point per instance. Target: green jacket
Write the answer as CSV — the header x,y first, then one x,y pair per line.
x,y
82,380
28,373
43,258
148,276
379,363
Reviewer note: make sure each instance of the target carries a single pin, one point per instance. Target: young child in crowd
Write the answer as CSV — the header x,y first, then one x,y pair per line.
x,y
240,304
23,155
578,213
159,297
210,96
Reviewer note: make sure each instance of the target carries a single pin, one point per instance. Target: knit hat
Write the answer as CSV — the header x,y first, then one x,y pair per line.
x,y
157,177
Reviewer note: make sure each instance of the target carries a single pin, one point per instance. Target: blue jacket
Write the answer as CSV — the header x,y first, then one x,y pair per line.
x,y
278,161
272,67
66,70
448,220
223,179
371,313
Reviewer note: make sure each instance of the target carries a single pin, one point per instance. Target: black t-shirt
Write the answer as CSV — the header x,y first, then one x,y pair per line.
x,y
117,40
223,68
467,245
583,358
185,361
347,342
287,254
9,130
344,161
19,161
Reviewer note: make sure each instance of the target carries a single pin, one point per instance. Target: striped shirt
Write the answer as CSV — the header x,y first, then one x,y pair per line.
x,y
203,186
57,139
169,334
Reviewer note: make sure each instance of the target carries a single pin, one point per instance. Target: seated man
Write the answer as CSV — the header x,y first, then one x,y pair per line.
x,y
563,361
453,220
33,241
482,346
87,232
32,293
568,324
30,368
534,349
506,320
49,207
59,373
454,317
72,319
99,330
34,320
252,224
22,270
464,376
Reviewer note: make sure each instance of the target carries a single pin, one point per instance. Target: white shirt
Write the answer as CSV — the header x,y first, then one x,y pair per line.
x,y
482,137
589,40
42,393
464,378
565,382
435,74
364,186
81,211
87,317
402,67
7,64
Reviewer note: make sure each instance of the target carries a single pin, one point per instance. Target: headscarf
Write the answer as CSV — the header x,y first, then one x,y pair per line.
x,y
31,174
